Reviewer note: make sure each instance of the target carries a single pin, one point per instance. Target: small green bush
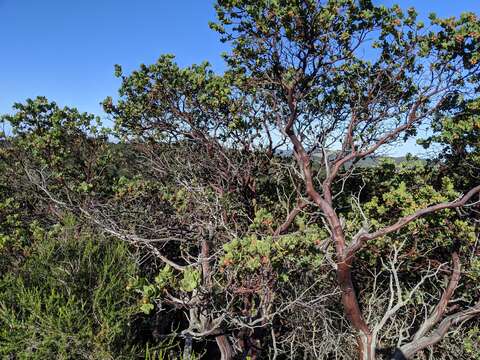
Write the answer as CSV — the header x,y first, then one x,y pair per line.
x,y
67,299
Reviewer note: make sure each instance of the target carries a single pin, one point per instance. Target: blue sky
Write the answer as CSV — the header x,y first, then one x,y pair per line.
x,y
66,50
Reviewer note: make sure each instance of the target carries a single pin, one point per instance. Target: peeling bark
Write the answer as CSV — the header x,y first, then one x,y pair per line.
x,y
225,347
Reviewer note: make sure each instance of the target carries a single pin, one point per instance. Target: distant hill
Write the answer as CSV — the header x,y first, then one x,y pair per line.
x,y
368,161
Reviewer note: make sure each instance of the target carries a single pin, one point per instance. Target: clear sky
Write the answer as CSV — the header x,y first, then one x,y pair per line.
x,y
66,49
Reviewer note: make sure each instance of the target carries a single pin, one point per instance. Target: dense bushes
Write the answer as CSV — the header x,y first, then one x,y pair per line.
x,y
67,297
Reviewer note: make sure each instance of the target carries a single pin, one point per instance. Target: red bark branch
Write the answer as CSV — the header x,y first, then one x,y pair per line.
x,y
441,307
290,218
360,240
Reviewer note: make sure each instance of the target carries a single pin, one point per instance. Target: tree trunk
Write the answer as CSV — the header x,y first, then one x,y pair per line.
x,y
226,349
345,282
187,348
366,346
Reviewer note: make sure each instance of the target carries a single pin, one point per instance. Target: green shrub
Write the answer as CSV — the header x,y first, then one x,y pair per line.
x,y
68,299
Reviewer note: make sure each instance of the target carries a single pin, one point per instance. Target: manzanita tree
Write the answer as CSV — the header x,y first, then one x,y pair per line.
x,y
350,75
